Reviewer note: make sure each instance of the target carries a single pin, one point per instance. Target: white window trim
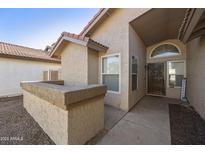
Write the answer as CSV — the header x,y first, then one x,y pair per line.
x,y
101,76
150,54
184,61
49,73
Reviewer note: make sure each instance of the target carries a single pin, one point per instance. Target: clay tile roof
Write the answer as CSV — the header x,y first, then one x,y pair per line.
x,y
92,20
77,37
83,38
185,21
20,52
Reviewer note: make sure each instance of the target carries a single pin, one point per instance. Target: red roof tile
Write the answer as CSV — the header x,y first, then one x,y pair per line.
x,y
92,20
21,52
75,36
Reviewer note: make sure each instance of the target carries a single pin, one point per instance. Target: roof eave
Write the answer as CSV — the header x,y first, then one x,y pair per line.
x,y
87,43
189,23
68,39
30,58
96,46
93,22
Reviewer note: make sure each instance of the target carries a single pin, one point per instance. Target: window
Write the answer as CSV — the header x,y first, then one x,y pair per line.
x,y
50,75
53,75
176,72
110,72
45,76
134,73
165,50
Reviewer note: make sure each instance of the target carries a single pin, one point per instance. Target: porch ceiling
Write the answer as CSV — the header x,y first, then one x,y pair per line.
x,y
158,24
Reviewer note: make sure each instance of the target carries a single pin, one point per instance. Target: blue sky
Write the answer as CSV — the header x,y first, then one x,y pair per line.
x,y
37,28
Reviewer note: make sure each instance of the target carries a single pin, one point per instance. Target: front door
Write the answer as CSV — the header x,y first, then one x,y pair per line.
x,y
156,83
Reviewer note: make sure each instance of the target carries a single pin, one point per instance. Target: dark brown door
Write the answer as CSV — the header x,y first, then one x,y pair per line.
x,y
156,83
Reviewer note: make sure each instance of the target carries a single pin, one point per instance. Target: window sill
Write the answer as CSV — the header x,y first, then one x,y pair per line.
x,y
113,92
175,87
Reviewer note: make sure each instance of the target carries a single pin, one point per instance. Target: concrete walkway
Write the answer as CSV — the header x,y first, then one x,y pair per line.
x,y
147,123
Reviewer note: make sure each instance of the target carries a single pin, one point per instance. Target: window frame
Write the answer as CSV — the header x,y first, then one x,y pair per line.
x,y
184,61
135,73
101,76
168,43
49,71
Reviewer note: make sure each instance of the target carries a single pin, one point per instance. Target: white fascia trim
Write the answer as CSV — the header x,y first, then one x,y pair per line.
x,y
81,42
56,47
84,43
95,46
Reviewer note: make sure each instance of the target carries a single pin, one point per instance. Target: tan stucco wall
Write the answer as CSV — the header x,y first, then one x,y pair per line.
x,y
79,65
74,59
13,71
93,63
85,120
196,74
52,119
114,33
170,92
77,125
137,49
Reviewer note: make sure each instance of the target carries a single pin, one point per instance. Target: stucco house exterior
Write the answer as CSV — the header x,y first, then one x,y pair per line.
x,y
19,63
136,52
119,57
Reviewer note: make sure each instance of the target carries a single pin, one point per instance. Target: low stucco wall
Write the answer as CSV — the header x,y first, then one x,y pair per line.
x,y
52,119
72,119
85,120
196,74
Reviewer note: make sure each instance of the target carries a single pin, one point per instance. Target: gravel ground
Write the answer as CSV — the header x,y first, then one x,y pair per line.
x,y
17,126
187,127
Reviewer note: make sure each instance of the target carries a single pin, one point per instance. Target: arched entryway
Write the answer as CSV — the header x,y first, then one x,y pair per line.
x,y
165,69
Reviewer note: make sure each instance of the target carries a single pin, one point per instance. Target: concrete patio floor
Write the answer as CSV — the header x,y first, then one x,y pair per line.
x,y
147,123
